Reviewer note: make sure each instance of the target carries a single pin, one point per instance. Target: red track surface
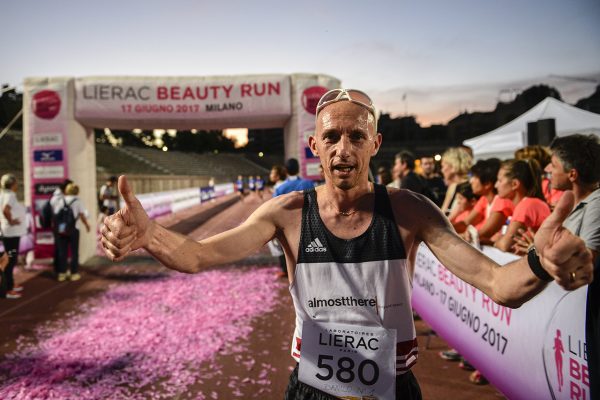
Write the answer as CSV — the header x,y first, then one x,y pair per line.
x,y
234,375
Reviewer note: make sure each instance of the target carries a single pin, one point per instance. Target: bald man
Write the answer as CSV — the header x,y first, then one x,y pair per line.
x,y
350,247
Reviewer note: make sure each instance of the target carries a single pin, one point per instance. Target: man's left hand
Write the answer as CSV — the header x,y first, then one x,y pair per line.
x,y
562,254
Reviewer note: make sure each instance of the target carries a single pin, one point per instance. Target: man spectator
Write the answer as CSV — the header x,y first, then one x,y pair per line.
x,y
56,201
575,166
407,178
109,197
433,180
293,182
351,239
384,176
68,236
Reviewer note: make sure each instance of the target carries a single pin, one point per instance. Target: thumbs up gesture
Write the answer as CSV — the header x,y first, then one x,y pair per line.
x,y
128,229
562,254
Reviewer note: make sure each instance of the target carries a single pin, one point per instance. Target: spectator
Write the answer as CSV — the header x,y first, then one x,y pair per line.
x,y
575,166
239,185
109,196
69,238
520,181
405,176
466,200
12,227
456,162
491,211
542,155
260,185
56,201
293,182
251,184
383,177
277,176
433,180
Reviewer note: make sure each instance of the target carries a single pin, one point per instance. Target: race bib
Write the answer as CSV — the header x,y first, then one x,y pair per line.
x,y
349,361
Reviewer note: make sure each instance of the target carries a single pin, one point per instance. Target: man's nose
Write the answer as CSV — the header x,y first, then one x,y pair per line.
x,y
344,146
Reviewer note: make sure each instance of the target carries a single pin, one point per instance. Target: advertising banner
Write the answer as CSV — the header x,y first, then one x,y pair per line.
x,y
48,157
534,352
309,90
227,101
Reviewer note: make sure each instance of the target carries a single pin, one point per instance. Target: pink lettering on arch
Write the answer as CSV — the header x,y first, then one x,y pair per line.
x,y
162,93
246,90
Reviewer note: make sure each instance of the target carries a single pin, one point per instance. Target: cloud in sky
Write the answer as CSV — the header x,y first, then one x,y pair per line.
x,y
448,56
439,104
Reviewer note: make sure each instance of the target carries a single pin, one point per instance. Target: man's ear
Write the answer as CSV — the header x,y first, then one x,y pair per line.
x,y
377,141
312,143
573,175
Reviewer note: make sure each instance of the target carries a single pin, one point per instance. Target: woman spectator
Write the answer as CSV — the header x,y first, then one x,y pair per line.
x,y
465,201
491,211
12,227
520,182
542,155
70,240
456,162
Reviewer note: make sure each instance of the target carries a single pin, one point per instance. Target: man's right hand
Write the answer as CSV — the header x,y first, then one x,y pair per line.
x,y
128,229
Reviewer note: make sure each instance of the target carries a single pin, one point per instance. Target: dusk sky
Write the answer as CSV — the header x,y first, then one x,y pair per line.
x,y
447,56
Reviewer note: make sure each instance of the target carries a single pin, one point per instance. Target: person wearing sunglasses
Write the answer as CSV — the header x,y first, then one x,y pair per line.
x,y
350,247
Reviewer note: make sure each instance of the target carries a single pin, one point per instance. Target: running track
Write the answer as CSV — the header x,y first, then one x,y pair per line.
x,y
137,330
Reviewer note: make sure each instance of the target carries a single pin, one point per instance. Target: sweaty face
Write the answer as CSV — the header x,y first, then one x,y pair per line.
x,y
559,178
345,140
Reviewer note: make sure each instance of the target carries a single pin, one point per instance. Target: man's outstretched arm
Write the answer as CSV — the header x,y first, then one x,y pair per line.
x,y
562,255
130,229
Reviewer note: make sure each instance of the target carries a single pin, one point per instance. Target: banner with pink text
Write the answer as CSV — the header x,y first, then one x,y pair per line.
x,y
48,156
253,100
534,352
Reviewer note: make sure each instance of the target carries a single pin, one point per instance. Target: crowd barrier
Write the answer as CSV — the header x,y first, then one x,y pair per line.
x,y
534,352
155,204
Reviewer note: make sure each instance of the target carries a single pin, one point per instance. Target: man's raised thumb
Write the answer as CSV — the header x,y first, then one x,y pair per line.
x,y
562,210
126,191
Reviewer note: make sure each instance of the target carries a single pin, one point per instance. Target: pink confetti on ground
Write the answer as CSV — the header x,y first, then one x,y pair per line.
x,y
143,339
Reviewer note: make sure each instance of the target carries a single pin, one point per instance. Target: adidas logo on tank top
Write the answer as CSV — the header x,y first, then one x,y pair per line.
x,y
315,247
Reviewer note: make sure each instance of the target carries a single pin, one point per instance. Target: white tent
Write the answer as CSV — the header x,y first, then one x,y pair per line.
x,y
503,141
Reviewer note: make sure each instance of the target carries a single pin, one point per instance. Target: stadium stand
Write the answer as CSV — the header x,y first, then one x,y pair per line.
x,y
145,163
223,167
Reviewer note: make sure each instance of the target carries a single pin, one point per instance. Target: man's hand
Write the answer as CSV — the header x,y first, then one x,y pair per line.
x,y
128,229
562,254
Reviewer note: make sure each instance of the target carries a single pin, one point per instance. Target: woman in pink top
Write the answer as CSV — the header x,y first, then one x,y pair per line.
x,y
466,199
520,182
490,212
542,155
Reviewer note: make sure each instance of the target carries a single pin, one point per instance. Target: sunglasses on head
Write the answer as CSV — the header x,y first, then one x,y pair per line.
x,y
351,95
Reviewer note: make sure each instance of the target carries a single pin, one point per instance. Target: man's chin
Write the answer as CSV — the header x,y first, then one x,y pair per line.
x,y
344,184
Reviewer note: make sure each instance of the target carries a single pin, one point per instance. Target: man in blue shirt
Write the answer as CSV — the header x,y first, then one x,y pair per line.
x,y
293,181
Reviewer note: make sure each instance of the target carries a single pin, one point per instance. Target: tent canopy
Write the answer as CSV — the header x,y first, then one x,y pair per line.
x,y
503,141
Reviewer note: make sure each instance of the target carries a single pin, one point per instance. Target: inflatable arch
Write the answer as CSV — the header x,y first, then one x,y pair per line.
x,y
61,113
